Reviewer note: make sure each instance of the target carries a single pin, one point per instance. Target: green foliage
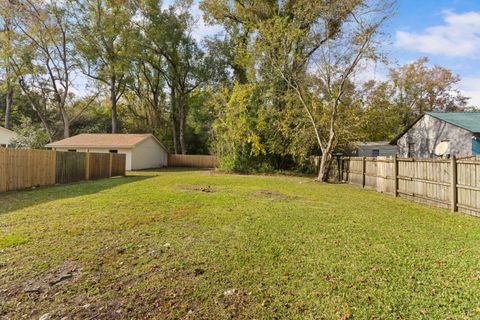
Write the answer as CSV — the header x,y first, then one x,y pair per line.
x,y
30,135
262,95
20,108
201,115
104,38
390,106
247,133
96,119
237,143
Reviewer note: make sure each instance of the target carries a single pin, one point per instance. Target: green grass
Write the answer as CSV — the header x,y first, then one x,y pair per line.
x,y
158,245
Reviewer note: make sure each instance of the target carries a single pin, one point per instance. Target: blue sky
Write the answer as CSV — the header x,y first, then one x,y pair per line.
x,y
445,31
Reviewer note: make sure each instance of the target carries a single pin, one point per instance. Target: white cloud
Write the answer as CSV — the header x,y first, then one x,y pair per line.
x,y
470,86
459,36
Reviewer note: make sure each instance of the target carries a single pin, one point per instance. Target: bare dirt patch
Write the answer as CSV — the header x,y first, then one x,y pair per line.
x,y
235,301
22,295
66,271
274,195
199,188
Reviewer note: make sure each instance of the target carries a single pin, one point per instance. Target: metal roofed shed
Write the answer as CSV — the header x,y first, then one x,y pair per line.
x,y
460,131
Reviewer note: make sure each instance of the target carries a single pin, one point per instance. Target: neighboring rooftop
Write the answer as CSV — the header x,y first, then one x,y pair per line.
x,y
373,143
5,129
467,120
99,140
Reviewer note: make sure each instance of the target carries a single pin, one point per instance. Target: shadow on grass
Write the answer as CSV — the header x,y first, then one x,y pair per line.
x,y
15,200
169,170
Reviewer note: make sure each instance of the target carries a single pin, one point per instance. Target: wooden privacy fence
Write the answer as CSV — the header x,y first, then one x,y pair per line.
x,y
447,183
27,168
20,169
193,161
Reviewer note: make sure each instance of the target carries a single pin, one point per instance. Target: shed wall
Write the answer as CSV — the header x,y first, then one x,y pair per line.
x,y
385,150
148,154
6,137
428,132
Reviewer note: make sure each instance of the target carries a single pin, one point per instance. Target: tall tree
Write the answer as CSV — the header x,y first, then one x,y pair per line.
x,y
47,61
305,53
172,52
6,35
421,88
409,91
104,41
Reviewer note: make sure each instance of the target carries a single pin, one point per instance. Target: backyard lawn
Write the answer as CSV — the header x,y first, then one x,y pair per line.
x,y
203,245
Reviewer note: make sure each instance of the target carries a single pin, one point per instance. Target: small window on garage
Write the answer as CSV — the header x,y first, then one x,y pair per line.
x,y
375,152
72,150
113,151
3,145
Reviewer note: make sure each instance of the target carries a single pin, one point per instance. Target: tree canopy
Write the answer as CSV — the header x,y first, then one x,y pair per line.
x,y
275,87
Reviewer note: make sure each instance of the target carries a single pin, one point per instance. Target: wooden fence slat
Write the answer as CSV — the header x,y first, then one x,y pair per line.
x,y
193,161
452,183
3,170
99,166
70,167
118,162
453,187
26,168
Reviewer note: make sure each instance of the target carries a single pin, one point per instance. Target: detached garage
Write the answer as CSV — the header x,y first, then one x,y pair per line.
x,y
143,151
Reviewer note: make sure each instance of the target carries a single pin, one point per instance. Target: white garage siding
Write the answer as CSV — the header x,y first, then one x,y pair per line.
x,y
149,154
6,137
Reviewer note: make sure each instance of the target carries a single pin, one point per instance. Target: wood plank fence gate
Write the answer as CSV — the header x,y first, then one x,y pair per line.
x,y
27,168
447,183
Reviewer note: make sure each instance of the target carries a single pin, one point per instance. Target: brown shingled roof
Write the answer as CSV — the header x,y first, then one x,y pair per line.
x,y
102,140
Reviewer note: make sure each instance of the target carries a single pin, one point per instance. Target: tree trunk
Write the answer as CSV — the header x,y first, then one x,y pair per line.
x,y
9,101
325,164
181,123
173,119
66,123
113,103
43,120
9,89
327,152
174,135
156,112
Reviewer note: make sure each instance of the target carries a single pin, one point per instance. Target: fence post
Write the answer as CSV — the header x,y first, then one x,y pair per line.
x,y
110,163
395,175
341,168
338,169
364,164
87,165
347,171
453,187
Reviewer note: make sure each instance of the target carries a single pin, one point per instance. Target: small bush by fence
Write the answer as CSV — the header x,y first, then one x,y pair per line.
x,y
193,161
447,183
27,168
